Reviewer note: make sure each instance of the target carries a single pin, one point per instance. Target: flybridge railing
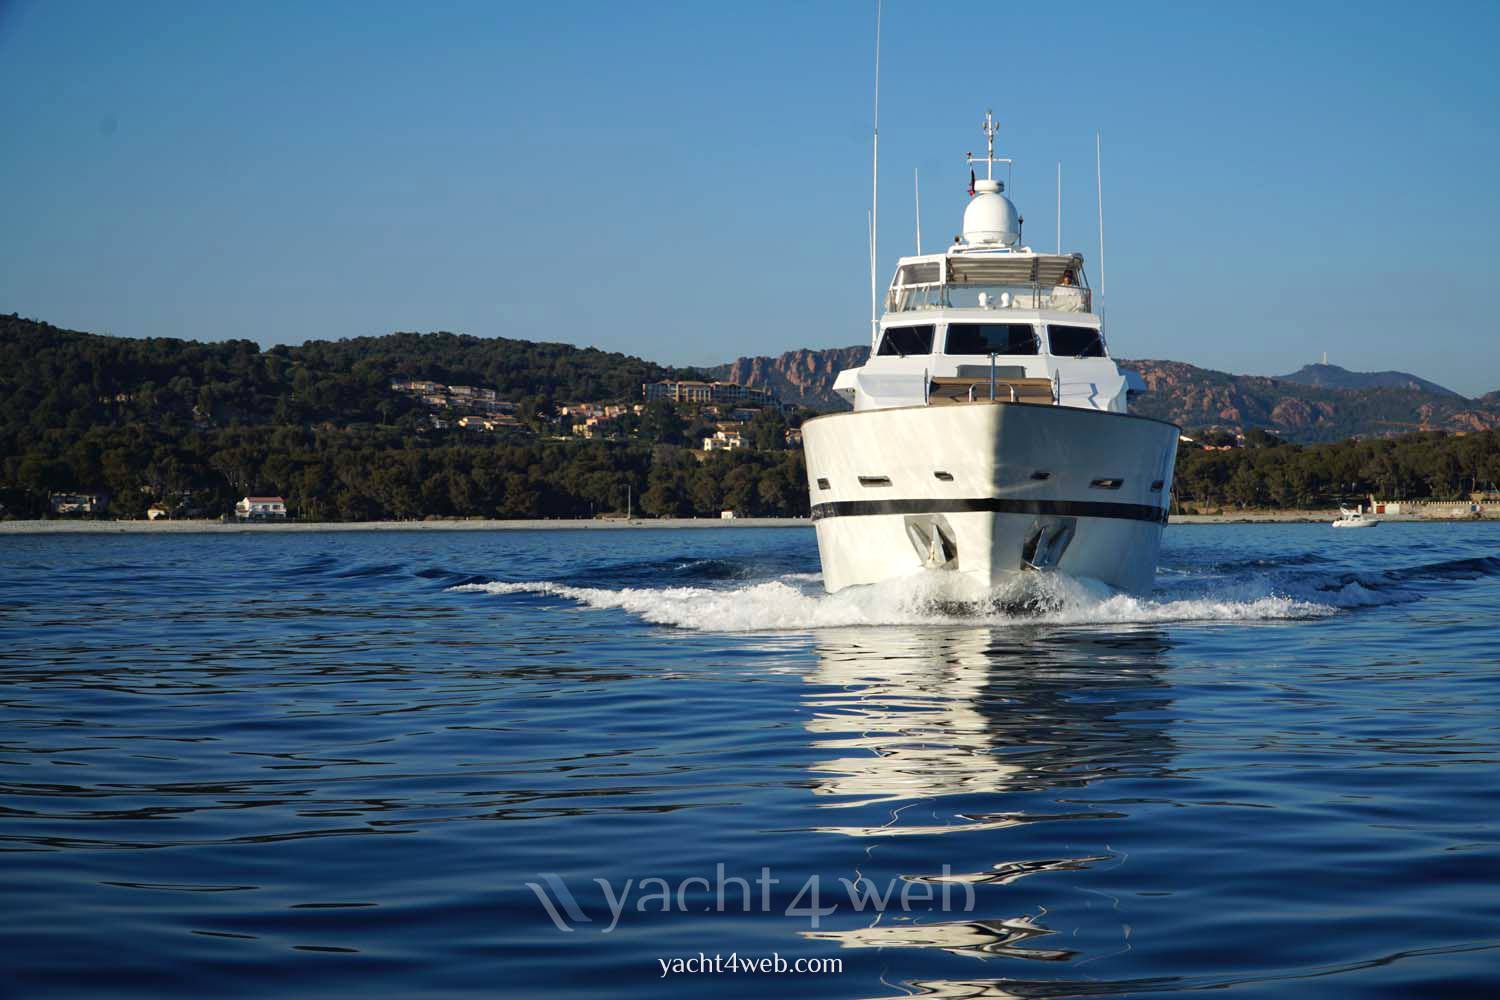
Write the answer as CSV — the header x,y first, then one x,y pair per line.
x,y
969,295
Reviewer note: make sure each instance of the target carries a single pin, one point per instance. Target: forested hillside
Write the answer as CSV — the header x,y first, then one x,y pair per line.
x,y
56,378
1271,473
194,426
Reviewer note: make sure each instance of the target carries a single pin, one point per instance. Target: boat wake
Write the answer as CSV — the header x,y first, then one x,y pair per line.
x,y
797,602
759,596
730,595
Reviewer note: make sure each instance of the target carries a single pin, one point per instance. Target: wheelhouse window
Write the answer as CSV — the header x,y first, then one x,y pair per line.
x,y
1075,341
900,341
991,338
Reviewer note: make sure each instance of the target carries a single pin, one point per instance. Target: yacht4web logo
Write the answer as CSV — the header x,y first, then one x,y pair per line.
x,y
812,898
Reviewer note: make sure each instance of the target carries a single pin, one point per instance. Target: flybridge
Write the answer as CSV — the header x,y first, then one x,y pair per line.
x,y
968,278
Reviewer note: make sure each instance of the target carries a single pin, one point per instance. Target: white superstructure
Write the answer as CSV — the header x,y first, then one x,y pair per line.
x,y
990,432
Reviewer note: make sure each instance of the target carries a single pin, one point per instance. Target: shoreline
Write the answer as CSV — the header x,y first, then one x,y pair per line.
x,y
65,527
1265,517
70,527
1314,517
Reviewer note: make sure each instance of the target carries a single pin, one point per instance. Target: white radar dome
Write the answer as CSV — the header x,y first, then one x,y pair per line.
x,y
990,217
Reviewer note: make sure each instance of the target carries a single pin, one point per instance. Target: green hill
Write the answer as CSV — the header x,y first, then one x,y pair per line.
x,y
50,377
194,426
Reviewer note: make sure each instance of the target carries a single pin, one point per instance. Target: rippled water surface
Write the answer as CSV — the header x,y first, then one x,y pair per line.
x,y
539,763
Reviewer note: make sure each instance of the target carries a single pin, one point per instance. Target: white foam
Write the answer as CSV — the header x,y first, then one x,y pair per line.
x,y
797,603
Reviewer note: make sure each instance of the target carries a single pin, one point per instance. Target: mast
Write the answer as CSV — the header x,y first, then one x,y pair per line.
x,y
875,189
990,128
1099,181
916,184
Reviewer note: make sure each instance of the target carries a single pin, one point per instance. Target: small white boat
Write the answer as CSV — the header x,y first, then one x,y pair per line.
x,y
1354,519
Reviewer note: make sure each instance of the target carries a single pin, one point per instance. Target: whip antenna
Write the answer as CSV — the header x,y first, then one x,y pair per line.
x,y
875,186
1099,182
916,183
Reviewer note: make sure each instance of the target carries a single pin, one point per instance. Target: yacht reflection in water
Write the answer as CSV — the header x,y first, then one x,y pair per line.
x,y
947,734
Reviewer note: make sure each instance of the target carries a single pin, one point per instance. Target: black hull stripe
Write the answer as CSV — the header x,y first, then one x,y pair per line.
x,y
991,505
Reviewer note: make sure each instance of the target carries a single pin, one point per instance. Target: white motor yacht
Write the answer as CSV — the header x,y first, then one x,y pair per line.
x,y
990,433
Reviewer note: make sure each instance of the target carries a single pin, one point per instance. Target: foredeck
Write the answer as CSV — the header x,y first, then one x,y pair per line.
x,y
968,389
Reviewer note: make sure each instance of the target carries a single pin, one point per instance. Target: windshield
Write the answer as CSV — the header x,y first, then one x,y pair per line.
x,y
991,338
899,341
989,296
1075,341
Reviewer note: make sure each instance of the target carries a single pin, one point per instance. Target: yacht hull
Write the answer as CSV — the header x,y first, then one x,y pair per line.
x,y
989,490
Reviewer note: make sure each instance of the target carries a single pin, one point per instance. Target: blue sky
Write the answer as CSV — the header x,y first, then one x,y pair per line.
x,y
689,182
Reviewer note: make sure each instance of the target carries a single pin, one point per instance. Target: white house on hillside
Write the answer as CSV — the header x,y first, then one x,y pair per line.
x,y
261,509
726,438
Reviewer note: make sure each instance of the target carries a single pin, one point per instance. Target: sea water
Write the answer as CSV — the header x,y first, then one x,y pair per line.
x,y
642,763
